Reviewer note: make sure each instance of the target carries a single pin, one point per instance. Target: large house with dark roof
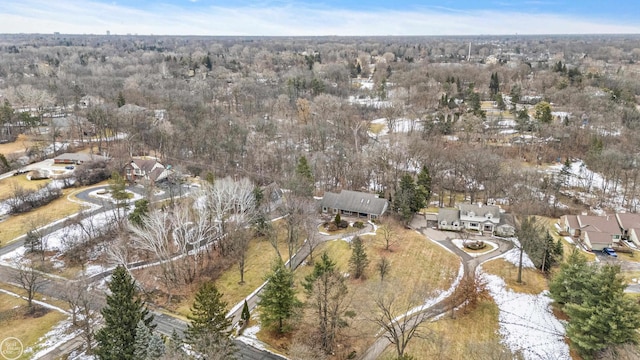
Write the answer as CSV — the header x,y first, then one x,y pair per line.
x,y
150,170
354,203
475,217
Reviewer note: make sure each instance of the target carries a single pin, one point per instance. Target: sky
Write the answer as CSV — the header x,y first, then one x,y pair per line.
x,y
319,18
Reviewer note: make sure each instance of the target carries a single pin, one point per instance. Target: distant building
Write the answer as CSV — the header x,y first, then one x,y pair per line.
x,y
77,158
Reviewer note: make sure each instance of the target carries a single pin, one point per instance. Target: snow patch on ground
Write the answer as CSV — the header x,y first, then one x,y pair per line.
x,y
249,337
527,324
57,336
400,125
513,256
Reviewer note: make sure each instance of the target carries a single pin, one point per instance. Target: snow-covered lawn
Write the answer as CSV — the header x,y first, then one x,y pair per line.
x,y
400,125
526,322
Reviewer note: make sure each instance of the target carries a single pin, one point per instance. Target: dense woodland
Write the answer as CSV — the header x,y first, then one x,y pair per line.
x,y
422,121
254,106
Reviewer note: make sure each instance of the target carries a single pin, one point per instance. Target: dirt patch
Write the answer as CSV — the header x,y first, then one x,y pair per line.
x,y
21,144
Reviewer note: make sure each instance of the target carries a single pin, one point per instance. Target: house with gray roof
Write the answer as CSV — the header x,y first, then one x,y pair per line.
x,y
354,203
449,219
476,217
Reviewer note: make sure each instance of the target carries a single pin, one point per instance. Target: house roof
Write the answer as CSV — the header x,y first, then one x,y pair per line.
x,y
145,164
355,201
479,210
571,220
605,224
449,215
628,221
80,157
598,237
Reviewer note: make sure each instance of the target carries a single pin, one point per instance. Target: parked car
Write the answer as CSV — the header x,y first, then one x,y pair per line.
x,y
610,252
69,167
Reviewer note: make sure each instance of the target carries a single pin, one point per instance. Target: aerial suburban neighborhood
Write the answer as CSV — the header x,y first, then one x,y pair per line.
x,y
319,197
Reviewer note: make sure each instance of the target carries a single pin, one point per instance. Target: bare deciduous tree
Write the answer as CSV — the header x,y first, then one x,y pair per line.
x,y
400,323
30,279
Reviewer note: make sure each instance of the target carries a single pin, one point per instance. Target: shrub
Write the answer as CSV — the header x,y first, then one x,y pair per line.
x,y
475,245
332,227
358,225
91,173
343,224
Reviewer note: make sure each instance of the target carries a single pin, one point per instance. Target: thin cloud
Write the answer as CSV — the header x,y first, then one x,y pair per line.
x,y
287,19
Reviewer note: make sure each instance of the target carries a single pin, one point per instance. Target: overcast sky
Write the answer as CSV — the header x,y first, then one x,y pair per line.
x,y
328,17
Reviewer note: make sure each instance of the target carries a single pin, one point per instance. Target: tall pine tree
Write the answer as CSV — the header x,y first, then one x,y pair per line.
x,y
209,327
600,314
304,182
278,301
359,260
124,309
424,184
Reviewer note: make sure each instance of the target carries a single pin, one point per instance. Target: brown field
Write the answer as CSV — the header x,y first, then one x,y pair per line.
x,y
419,269
16,322
17,225
8,185
464,336
20,145
533,282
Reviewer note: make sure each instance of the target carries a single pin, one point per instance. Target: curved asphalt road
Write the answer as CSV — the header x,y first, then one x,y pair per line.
x,y
165,324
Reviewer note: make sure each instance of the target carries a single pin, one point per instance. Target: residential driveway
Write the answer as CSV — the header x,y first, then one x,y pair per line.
x,y
469,262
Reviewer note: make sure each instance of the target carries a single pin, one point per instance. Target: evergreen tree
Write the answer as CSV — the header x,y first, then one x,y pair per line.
x,y
359,260
121,100
408,200
325,265
494,84
156,347
124,309
278,300
246,315
552,252
143,337
139,212
208,325
304,180
118,189
606,317
327,290
543,112
565,172
424,184
573,280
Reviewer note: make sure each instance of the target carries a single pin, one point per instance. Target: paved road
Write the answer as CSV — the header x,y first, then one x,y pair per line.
x,y
470,264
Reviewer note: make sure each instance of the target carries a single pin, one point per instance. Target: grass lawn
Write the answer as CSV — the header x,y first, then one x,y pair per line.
x,y
8,185
466,336
376,128
17,225
533,282
20,145
257,264
17,323
418,270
